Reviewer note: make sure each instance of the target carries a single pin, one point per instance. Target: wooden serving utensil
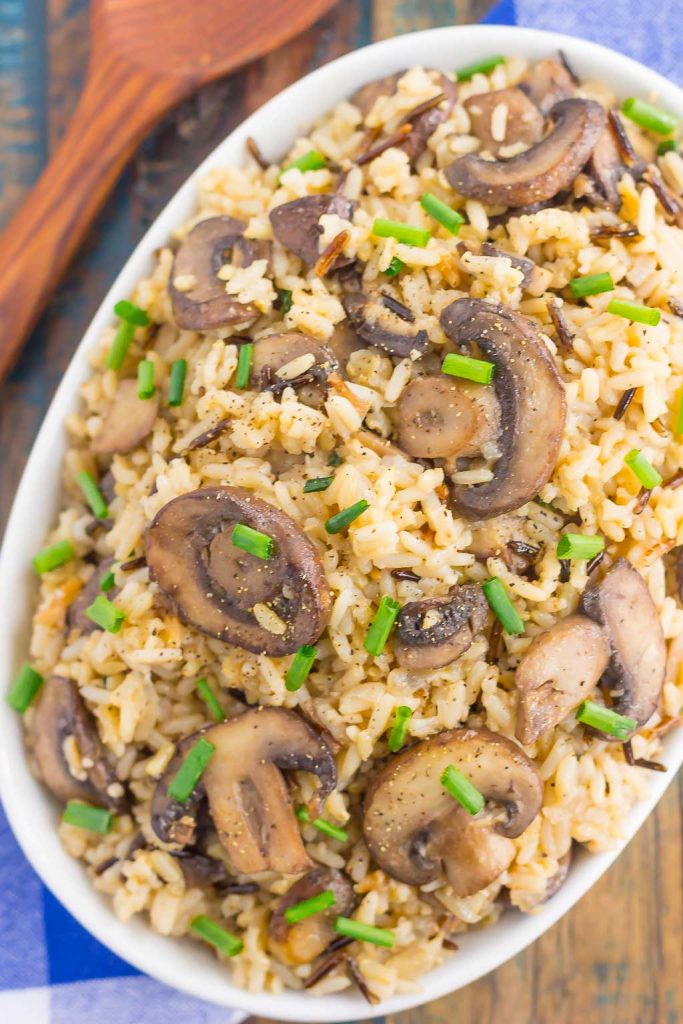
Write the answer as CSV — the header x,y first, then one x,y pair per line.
x,y
146,56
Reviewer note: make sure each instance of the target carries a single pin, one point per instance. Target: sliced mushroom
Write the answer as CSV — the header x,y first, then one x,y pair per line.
x,y
505,537
561,668
302,942
535,280
296,225
439,417
199,870
230,593
129,421
343,342
547,83
367,95
61,717
426,118
378,323
540,172
247,250
522,122
606,169
75,615
621,603
273,352
532,403
527,901
417,832
205,304
434,632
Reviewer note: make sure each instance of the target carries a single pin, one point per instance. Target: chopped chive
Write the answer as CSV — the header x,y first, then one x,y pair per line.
x,y
93,495
502,607
307,908
648,116
395,267
82,815
146,378
336,523
285,299
318,483
478,370
182,784
176,387
311,161
441,212
131,313
577,545
382,625
605,720
220,938
253,541
244,361
302,664
462,790
667,146
364,932
105,614
480,67
120,345
107,582
326,827
401,232
334,459
399,729
591,284
679,419
643,469
211,701
635,311
53,556
24,689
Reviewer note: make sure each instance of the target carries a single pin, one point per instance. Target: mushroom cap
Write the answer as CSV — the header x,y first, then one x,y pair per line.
x,y
128,422
296,224
215,585
439,417
523,123
302,942
621,603
543,170
416,831
433,633
377,323
560,668
532,404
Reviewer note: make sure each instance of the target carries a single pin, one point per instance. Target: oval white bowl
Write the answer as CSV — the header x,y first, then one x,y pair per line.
x,y
32,813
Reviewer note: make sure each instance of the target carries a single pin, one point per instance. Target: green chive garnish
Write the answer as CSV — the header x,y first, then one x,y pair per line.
x,y
381,626
577,545
105,614
399,729
605,720
92,495
221,939
307,908
319,483
502,607
244,361
592,284
82,815
285,299
335,524
462,790
322,826
53,556
211,701
253,541
480,67
297,673
401,232
441,212
679,420
647,115
643,469
176,387
634,311
24,689
667,146
395,267
107,582
191,770
146,378
311,161
131,313
120,345
364,932
478,370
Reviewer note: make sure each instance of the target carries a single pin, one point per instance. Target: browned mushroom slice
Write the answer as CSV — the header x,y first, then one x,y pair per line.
x,y
302,942
548,82
296,225
62,718
560,669
534,281
230,593
343,342
304,363
172,821
424,120
532,403
439,417
367,95
378,323
606,168
205,304
434,632
75,615
506,537
247,250
129,421
621,603
541,171
521,120
199,870
417,832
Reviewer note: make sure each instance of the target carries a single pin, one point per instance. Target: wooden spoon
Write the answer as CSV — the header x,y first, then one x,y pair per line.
x,y
146,56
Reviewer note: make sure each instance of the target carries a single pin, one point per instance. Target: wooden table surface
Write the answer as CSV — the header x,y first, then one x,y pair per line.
x,y
617,958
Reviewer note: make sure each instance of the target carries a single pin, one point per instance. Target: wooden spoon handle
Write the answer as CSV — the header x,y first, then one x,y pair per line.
x,y
118,105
